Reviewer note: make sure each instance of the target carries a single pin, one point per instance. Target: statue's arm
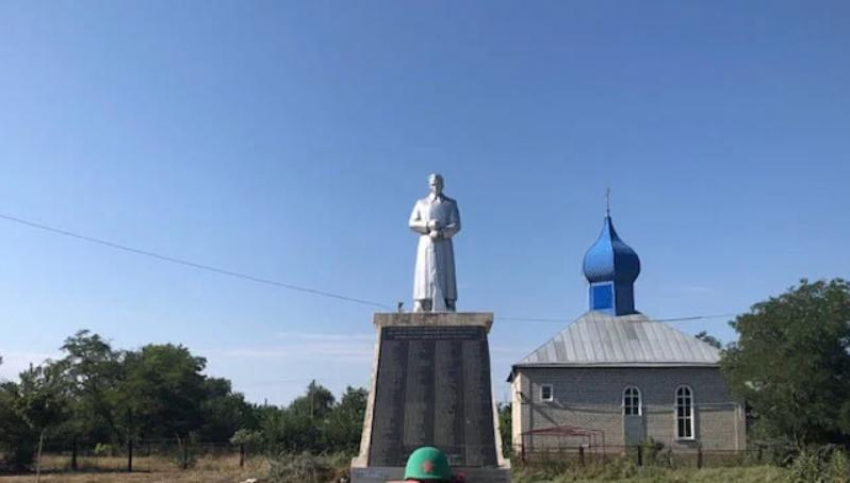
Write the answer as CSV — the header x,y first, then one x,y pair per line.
x,y
453,227
416,222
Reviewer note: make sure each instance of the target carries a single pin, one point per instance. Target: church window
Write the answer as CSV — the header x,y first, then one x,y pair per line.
x,y
546,392
631,401
684,413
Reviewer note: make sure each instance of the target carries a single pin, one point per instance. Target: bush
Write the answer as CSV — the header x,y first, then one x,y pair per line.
x,y
300,468
103,449
839,467
809,466
251,439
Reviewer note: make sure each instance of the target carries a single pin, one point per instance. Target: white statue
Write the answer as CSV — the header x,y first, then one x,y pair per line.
x,y
437,220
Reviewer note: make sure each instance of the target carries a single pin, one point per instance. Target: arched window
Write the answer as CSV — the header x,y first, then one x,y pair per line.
x,y
684,413
631,401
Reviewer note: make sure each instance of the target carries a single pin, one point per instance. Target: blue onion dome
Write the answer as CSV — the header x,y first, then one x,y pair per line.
x,y
610,259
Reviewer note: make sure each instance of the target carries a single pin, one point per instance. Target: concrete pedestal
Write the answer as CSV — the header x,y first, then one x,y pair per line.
x,y
431,386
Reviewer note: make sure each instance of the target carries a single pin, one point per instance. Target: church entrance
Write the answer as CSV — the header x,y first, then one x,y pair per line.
x,y
634,430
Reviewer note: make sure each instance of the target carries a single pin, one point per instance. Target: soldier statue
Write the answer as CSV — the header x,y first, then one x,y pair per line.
x,y
436,219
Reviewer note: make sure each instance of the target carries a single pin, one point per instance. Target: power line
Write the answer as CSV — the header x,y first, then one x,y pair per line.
x,y
565,320
188,263
276,283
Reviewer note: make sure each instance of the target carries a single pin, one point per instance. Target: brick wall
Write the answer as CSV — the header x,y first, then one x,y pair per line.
x,y
591,398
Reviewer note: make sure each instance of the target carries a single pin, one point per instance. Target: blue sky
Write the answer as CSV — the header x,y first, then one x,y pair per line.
x,y
289,141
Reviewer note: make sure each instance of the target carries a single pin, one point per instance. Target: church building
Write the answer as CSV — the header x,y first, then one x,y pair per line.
x,y
615,377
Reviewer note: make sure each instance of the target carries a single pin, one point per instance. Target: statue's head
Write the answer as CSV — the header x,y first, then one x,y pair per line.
x,y
435,182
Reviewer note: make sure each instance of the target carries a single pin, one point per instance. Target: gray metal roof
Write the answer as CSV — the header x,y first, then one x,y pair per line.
x,y
599,339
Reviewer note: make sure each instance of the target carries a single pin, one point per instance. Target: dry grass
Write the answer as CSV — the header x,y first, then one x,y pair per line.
x,y
753,474
147,469
225,469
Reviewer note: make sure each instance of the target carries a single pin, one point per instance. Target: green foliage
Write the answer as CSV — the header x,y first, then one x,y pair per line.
x,y
809,466
42,397
251,439
654,454
839,467
300,468
36,406
96,395
504,410
17,437
102,449
315,422
223,411
93,371
164,390
344,425
791,364
709,339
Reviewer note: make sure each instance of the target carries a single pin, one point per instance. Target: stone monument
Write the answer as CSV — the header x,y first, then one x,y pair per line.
x,y
431,382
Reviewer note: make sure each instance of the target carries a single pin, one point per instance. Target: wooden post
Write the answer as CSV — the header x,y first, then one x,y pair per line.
x,y
129,441
640,455
186,455
699,456
581,456
130,454
241,455
74,454
38,461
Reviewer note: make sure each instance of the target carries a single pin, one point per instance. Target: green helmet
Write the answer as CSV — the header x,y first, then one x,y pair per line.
x,y
427,463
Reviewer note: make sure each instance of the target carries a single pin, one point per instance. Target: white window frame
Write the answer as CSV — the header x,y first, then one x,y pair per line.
x,y
687,400
551,393
630,394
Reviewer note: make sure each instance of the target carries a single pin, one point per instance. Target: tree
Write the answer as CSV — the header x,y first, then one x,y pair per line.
x,y
163,391
17,437
791,363
30,410
709,339
94,372
345,422
223,411
505,427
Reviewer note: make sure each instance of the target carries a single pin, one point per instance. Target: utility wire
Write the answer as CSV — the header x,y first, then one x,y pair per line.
x,y
675,319
187,263
289,286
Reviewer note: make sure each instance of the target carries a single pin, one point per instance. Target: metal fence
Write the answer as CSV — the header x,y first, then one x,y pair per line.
x,y
143,455
641,455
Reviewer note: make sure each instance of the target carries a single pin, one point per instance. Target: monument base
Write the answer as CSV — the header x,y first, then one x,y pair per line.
x,y
378,474
431,386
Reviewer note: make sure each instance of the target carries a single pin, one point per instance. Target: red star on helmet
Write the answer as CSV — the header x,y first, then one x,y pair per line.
x,y
428,467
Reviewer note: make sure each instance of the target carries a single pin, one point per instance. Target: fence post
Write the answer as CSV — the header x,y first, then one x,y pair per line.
x,y
699,456
241,455
581,456
129,440
74,454
130,454
640,455
186,455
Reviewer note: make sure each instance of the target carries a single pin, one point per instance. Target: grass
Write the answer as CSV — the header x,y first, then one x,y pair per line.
x,y
753,474
225,469
147,469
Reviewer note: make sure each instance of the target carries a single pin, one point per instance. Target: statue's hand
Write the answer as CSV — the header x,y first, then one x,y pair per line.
x,y
435,234
434,225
